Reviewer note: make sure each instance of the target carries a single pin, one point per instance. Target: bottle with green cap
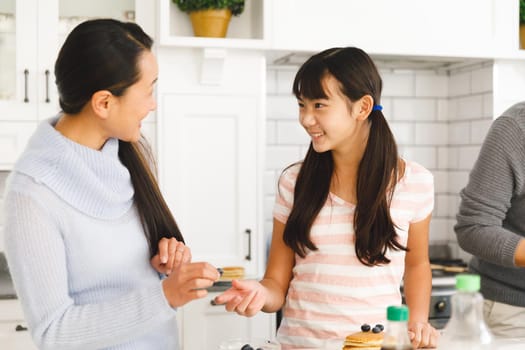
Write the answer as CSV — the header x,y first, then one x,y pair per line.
x,y
396,331
466,328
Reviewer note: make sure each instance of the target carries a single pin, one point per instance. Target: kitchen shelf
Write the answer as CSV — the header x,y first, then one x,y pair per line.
x,y
248,30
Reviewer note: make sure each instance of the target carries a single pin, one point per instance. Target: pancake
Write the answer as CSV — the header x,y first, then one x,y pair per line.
x,y
232,273
363,341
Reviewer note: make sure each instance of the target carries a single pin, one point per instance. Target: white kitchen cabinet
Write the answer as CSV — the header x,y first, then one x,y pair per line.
x,y
31,33
205,326
450,28
210,146
13,329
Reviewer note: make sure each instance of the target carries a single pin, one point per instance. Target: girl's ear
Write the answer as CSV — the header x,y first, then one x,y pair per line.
x,y
365,103
101,103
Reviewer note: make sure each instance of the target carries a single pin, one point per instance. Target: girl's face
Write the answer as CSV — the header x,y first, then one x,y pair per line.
x,y
333,123
136,103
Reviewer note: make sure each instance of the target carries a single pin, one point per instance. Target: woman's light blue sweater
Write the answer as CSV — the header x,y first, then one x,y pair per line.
x,y
77,251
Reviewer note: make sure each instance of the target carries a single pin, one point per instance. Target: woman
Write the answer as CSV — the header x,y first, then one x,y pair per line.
x,y
88,234
350,221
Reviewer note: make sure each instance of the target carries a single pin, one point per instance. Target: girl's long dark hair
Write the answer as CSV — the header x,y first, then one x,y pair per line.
x,y
378,170
103,54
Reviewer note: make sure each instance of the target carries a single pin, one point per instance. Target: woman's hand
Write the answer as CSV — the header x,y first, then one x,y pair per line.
x,y
423,335
171,254
245,297
188,282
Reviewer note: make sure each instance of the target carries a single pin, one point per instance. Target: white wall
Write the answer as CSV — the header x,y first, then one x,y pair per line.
x,y
439,119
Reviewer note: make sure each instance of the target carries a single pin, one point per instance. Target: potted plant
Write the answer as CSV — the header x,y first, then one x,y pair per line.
x,y
522,24
210,17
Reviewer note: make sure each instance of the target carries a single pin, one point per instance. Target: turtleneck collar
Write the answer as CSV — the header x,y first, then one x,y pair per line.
x,y
94,182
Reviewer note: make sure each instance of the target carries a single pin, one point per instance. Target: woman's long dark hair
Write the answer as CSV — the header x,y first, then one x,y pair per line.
x,y
378,170
103,54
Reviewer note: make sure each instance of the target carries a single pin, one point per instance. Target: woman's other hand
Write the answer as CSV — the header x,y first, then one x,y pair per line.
x,y
423,335
171,254
245,297
188,281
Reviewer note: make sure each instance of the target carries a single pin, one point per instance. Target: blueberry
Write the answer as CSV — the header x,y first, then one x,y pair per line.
x,y
246,347
365,327
380,326
376,330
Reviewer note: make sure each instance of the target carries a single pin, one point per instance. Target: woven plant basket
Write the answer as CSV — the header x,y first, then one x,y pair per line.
x,y
211,23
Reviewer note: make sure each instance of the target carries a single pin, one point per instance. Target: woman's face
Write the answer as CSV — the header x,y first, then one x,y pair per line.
x,y
331,122
138,100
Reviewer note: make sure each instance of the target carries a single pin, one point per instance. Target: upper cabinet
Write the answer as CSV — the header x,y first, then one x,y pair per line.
x,y
31,33
448,28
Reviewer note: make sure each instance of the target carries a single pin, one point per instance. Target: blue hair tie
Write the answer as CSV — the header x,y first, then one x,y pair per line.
x,y
377,108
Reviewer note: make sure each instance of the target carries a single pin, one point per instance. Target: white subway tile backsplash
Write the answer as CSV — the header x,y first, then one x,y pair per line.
x,y
459,84
479,130
412,109
439,230
285,82
440,206
403,132
279,157
282,107
442,158
442,112
424,155
488,106
440,181
453,205
431,85
291,133
459,133
431,134
271,82
457,180
270,181
482,80
398,84
467,157
269,202
470,107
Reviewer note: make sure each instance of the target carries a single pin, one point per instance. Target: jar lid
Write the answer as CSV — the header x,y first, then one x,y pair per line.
x,y
397,313
467,282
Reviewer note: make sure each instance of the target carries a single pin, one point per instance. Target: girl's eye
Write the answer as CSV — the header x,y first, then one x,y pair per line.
x,y
318,105
301,105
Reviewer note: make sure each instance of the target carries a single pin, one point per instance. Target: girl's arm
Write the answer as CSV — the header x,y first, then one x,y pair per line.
x,y
279,270
249,297
418,285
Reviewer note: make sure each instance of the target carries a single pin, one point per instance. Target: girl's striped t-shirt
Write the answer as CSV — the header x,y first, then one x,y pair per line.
x,y
332,293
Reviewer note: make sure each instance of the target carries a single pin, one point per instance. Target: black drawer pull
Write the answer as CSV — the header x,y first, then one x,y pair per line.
x,y
20,328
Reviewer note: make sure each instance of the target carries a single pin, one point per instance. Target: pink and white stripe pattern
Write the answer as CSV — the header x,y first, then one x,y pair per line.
x,y
331,293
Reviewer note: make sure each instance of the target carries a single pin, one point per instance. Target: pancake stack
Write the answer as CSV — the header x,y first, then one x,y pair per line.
x,y
363,341
232,273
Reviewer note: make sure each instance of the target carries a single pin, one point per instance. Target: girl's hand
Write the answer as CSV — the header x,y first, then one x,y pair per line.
x,y
188,282
423,335
172,253
245,297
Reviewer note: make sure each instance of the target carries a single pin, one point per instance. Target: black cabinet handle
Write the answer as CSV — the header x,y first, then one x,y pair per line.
x,y
47,85
249,255
26,76
20,328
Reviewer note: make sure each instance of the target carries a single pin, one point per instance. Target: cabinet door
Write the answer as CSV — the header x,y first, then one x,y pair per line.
x,y
18,59
13,139
209,175
13,337
205,326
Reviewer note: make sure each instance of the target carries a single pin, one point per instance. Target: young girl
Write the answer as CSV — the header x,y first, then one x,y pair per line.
x,y
351,220
87,231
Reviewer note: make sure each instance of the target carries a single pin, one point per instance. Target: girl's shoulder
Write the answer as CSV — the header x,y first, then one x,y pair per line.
x,y
415,172
290,173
